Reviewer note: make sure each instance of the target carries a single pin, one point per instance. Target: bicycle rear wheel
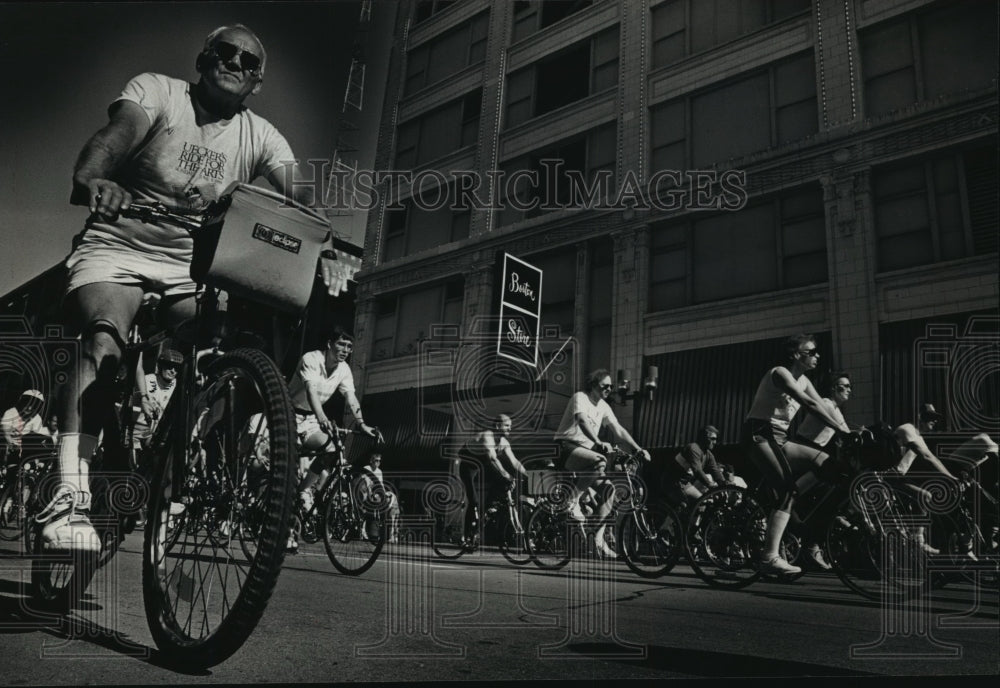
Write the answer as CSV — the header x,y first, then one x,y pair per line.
x,y
724,537
203,593
872,553
549,535
353,535
650,540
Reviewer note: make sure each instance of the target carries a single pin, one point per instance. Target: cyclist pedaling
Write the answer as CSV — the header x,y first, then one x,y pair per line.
x,y
479,458
320,375
781,392
171,142
582,451
912,446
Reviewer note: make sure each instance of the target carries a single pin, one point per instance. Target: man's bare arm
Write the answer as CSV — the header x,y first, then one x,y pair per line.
x,y
103,154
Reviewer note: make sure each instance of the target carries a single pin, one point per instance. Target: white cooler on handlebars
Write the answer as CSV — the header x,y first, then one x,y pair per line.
x,y
263,247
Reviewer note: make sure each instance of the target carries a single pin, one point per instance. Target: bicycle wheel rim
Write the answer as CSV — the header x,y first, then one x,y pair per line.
x,y
724,536
650,541
513,542
215,536
448,536
353,535
549,539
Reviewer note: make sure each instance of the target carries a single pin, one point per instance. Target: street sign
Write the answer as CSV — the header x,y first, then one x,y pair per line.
x,y
520,310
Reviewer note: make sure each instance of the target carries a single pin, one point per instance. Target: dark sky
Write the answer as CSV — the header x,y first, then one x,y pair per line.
x,y
61,64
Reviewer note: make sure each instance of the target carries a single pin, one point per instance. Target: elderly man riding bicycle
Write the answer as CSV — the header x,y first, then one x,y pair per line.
x,y
171,142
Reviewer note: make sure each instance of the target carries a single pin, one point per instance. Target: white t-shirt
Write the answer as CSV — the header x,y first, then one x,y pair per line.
x,y
312,368
812,428
184,165
594,416
14,427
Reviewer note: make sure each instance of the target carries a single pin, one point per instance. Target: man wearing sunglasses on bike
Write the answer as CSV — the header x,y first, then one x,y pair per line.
x,y
171,142
780,393
585,453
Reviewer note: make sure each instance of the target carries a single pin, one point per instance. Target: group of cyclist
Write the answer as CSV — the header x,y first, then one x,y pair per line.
x,y
181,144
788,463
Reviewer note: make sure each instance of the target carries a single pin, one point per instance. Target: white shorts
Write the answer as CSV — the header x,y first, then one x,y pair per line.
x,y
306,424
98,260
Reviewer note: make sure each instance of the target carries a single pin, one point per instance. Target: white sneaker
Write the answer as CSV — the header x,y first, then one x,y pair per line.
x,y
816,554
306,499
778,565
603,551
575,513
67,523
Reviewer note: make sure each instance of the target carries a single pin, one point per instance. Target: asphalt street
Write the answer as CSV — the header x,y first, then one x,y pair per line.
x,y
413,617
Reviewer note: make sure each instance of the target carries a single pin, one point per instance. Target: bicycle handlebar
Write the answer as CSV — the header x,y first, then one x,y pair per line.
x,y
339,432
147,212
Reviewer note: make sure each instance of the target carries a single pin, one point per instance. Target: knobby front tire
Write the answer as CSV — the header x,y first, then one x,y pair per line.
x,y
219,518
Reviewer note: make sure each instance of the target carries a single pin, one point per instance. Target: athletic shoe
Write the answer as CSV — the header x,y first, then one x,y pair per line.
x,y
779,566
816,555
67,523
603,551
306,499
574,512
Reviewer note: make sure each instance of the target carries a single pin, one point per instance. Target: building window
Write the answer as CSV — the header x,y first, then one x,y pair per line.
x,y
580,161
938,209
951,47
412,228
558,288
447,54
403,321
759,111
439,132
599,303
532,16
777,244
585,68
685,27
426,9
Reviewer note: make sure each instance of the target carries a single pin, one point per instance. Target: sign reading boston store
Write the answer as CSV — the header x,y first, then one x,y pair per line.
x,y
520,310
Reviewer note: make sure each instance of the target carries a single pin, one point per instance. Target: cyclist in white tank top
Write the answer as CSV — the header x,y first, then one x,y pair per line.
x,y
779,395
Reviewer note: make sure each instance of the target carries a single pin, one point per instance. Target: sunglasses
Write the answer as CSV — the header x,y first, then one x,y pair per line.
x,y
811,353
607,386
227,51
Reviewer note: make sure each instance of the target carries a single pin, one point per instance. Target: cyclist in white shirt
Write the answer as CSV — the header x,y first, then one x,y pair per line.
x,y
583,451
320,375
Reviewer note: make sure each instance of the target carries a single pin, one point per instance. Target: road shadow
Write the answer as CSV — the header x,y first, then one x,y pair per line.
x,y
17,615
711,664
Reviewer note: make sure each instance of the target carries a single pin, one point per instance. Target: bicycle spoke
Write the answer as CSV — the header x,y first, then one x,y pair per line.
x,y
224,557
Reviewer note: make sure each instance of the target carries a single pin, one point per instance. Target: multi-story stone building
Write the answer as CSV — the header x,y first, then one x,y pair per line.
x,y
864,136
